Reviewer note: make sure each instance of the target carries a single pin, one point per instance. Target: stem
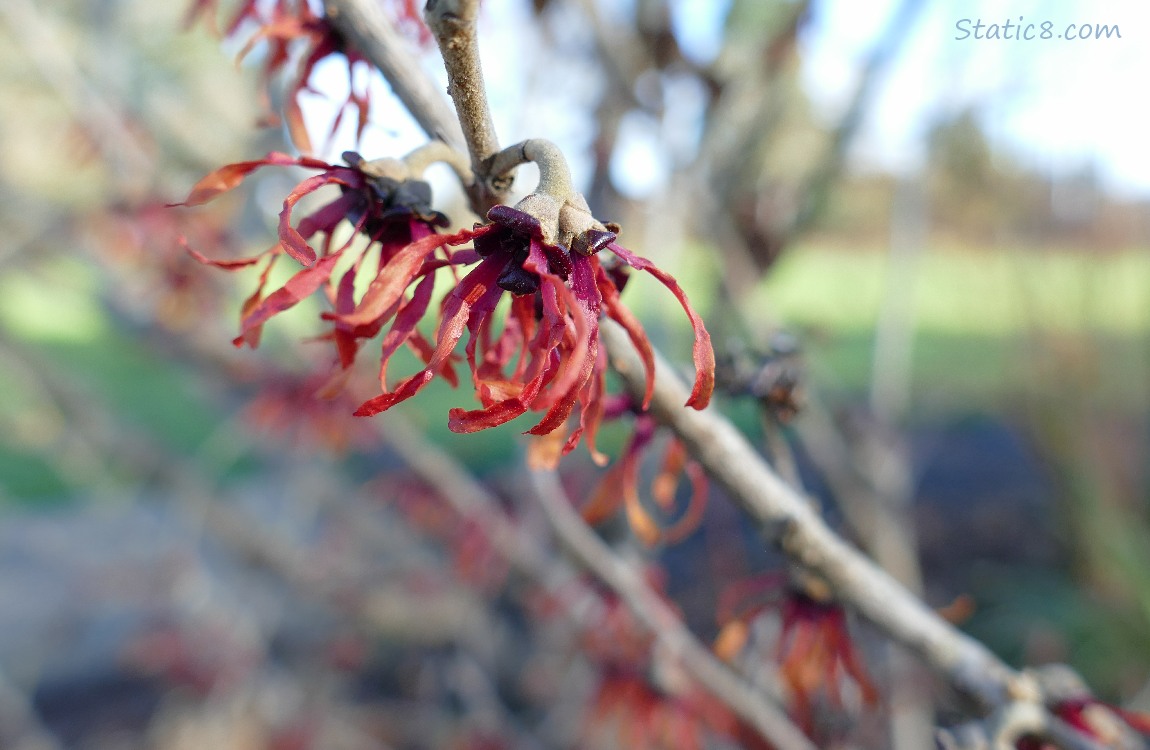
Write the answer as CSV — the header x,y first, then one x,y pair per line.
x,y
453,22
437,152
554,174
364,23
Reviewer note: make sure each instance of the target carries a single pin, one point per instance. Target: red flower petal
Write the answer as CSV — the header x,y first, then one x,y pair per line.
x,y
583,305
227,265
704,355
290,238
472,290
463,421
298,287
406,319
618,312
229,176
251,337
395,277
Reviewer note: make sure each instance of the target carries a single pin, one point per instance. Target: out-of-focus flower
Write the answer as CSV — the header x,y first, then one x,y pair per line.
x,y
638,705
1095,719
814,650
291,30
303,411
641,716
141,244
620,486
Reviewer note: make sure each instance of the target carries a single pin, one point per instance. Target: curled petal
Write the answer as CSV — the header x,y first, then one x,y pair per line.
x,y
227,265
591,414
696,504
539,372
398,273
473,291
583,301
619,313
231,175
406,319
642,524
463,421
298,287
251,336
293,242
344,299
704,355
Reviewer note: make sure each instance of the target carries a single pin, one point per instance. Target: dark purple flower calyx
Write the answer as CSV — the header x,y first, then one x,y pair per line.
x,y
392,196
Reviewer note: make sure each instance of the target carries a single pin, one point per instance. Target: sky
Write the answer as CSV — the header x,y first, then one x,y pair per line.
x,y
1055,105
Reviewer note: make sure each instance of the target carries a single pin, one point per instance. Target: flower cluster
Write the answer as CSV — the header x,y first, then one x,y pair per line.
x,y
620,486
643,702
546,255
291,31
814,649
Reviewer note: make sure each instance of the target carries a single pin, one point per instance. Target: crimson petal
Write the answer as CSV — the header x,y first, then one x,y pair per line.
x,y
476,285
704,355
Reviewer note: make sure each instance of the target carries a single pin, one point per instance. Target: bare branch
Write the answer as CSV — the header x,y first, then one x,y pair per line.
x,y
554,174
453,22
782,511
369,29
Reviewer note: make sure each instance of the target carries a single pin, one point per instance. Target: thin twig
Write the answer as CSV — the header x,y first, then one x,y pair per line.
x,y
453,22
671,634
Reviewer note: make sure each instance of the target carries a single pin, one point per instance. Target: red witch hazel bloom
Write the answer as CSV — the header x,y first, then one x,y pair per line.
x,y
543,357
544,253
292,31
620,486
395,215
642,703
814,648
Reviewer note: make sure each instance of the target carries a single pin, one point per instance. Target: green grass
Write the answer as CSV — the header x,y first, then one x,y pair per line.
x,y
979,320
988,293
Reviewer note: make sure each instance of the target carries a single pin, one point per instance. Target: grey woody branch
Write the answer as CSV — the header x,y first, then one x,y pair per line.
x,y
366,25
453,22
